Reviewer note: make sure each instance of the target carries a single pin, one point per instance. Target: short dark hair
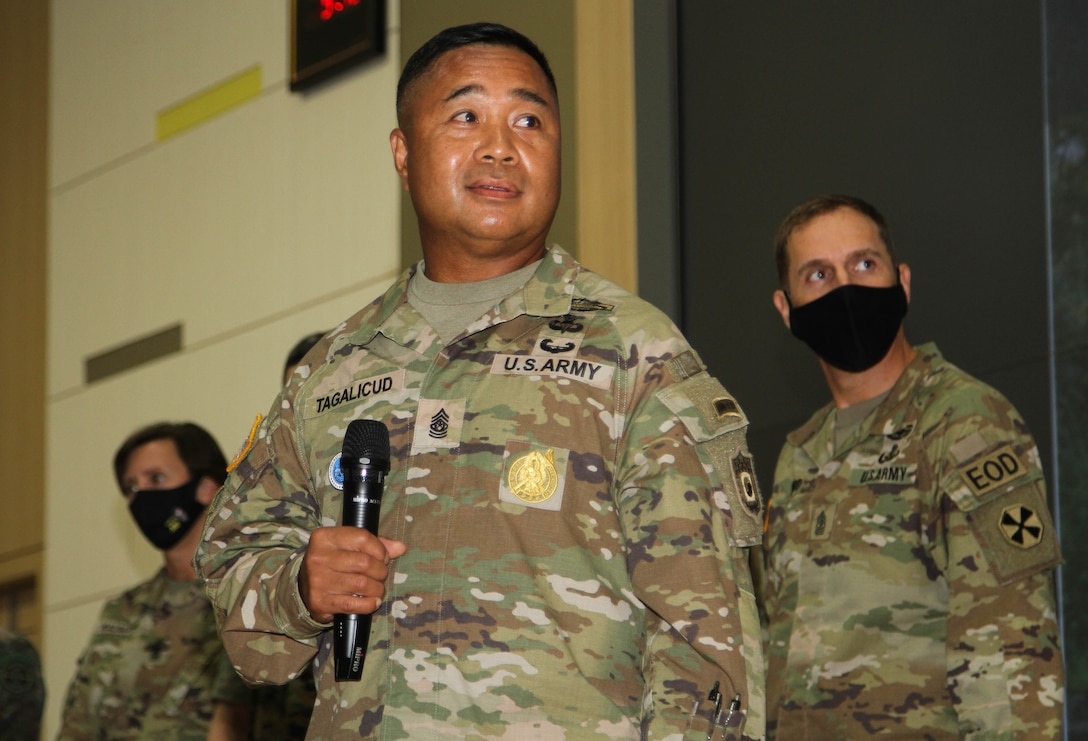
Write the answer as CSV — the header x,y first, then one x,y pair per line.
x,y
197,449
298,352
818,206
488,34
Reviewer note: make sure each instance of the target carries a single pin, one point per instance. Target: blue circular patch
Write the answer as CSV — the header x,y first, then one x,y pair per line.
x,y
336,476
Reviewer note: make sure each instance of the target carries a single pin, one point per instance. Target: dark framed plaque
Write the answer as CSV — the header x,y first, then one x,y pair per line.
x,y
329,36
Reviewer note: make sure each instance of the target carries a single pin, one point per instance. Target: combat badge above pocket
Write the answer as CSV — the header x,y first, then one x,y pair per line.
x,y
717,423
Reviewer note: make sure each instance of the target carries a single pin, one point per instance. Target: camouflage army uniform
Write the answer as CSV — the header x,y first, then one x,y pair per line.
x,y
909,574
149,668
575,567
22,692
280,711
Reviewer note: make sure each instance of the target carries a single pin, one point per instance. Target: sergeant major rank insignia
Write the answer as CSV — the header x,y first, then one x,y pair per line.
x,y
440,424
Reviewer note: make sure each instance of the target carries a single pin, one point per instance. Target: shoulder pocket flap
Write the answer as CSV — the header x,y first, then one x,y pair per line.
x,y
717,423
704,406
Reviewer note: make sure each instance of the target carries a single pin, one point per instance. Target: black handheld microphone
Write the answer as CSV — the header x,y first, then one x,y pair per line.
x,y
364,461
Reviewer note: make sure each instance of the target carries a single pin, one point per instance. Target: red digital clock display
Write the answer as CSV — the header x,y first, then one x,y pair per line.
x,y
329,36
329,8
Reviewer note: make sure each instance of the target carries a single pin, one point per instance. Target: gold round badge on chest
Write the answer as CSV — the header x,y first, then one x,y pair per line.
x,y
532,477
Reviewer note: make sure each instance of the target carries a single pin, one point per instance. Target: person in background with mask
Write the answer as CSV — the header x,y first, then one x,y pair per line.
x,y
909,553
155,653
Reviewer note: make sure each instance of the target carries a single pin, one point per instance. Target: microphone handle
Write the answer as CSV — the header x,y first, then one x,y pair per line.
x,y
364,505
352,632
350,651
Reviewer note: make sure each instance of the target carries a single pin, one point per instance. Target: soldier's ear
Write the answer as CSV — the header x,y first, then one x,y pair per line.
x,y
206,489
398,142
783,305
904,279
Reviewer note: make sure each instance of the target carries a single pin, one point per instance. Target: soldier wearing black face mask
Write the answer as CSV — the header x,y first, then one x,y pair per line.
x,y
909,554
155,653
165,516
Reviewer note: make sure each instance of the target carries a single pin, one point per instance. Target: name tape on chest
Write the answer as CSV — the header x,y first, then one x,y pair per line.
x,y
901,475
595,374
993,471
363,389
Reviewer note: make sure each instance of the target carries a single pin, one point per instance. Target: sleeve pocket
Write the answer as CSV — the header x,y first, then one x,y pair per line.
x,y
718,425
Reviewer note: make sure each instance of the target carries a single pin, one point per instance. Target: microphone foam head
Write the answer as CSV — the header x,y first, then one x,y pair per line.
x,y
366,438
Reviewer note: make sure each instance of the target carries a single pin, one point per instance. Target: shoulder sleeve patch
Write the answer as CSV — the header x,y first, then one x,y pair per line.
x,y
745,478
1016,533
717,424
1002,492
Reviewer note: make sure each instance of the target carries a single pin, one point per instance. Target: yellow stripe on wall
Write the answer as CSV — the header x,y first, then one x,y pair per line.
x,y
215,100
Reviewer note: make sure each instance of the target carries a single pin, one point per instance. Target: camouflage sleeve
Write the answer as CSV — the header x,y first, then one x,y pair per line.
x,y
228,686
79,719
256,534
689,504
999,551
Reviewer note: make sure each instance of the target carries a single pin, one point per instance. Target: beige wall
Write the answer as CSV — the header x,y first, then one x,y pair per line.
x,y
277,218
24,53
272,220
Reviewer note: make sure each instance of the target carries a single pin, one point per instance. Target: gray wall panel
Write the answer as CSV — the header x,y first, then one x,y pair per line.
x,y
934,111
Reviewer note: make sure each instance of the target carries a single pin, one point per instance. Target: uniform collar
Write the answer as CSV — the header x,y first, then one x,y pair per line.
x,y
816,436
548,293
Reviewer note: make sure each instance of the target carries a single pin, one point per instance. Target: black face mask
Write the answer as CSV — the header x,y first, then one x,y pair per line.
x,y
164,516
851,327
